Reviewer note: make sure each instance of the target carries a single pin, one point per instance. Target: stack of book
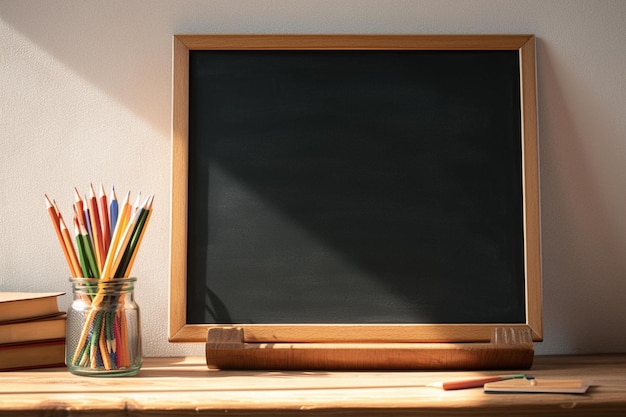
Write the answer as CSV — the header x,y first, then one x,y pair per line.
x,y
32,331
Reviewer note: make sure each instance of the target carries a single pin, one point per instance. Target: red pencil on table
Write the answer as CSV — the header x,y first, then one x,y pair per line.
x,y
475,382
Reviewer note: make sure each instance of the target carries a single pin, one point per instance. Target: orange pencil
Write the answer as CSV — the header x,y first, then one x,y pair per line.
x,y
122,350
65,233
79,206
76,268
102,344
54,216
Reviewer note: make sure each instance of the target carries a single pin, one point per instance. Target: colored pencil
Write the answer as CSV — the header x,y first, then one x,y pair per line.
x,y
84,242
81,250
96,229
142,230
89,253
87,218
103,213
79,207
115,240
113,210
76,269
54,217
67,240
137,225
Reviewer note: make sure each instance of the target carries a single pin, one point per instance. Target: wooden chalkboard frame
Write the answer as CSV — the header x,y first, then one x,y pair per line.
x,y
181,331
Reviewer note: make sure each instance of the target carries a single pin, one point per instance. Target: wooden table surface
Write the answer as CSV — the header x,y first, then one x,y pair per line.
x,y
185,387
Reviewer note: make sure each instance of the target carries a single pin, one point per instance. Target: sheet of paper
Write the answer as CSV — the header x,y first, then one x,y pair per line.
x,y
557,386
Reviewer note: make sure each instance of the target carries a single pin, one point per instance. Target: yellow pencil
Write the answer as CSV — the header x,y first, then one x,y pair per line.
x,y
123,243
117,235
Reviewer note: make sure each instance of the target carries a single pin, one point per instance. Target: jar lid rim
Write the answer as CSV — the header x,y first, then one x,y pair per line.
x,y
102,281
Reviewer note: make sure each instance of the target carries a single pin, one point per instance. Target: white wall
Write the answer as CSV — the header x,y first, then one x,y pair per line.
x,y
85,96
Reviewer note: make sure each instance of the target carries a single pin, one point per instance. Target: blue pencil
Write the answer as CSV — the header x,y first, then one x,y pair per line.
x,y
113,211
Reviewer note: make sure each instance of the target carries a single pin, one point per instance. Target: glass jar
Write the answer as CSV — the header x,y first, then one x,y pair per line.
x,y
103,335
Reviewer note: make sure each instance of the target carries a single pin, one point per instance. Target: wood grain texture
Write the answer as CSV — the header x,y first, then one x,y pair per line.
x,y
180,133
227,349
185,387
530,162
353,42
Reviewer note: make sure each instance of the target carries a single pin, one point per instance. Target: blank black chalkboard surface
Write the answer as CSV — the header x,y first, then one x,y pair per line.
x,y
354,188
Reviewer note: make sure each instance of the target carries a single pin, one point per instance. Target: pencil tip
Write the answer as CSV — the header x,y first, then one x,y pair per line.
x,y
77,196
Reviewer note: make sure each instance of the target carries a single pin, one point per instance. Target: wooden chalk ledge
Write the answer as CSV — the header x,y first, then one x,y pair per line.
x,y
510,348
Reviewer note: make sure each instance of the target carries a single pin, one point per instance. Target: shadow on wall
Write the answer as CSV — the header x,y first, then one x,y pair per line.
x,y
130,62
584,278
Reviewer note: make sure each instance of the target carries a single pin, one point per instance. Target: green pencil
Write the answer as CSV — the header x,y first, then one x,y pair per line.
x,y
81,250
89,253
134,239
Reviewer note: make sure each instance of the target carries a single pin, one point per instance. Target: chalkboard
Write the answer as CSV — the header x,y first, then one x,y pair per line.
x,y
352,186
